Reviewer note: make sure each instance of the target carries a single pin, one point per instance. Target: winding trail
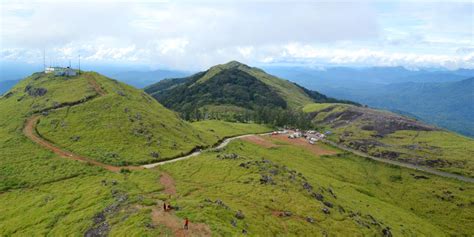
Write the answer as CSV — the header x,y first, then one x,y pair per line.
x,y
30,131
404,164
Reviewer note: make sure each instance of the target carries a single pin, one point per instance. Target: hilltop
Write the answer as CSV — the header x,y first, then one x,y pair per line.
x,y
256,185
387,135
232,86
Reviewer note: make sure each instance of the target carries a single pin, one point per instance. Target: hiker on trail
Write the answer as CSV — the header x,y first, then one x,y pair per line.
x,y
186,223
164,206
168,207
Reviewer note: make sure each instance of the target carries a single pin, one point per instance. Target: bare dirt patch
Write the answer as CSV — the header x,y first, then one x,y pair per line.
x,y
259,140
167,181
176,225
301,142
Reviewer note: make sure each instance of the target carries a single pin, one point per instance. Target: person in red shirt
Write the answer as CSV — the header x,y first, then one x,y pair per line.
x,y
186,223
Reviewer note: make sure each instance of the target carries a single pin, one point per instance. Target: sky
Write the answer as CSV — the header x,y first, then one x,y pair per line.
x,y
193,35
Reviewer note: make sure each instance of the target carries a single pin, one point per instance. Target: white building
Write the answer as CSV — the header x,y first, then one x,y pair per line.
x,y
61,71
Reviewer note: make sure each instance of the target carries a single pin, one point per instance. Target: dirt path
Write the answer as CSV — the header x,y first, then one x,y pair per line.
x,y
405,165
175,224
167,181
170,220
259,140
266,142
30,131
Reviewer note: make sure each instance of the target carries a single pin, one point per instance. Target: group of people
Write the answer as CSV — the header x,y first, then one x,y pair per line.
x,y
167,207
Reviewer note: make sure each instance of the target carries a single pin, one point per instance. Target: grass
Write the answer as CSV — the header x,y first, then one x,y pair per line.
x,y
68,208
444,150
42,194
216,130
22,162
391,195
294,96
125,127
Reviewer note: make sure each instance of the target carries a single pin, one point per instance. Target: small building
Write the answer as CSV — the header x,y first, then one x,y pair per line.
x,y
61,71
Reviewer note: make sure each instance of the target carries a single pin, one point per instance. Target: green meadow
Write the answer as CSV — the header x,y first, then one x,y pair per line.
x,y
441,149
368,196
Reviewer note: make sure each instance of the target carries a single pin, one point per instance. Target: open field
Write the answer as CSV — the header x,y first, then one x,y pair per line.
x,y
401,199
385,135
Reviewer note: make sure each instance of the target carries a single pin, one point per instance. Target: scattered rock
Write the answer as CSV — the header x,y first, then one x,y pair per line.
x,y
273,172
386,232
307,186
266,179
233,222
286,214
318,196
420,177
35,92
75,138
239,215
99,231
244,231
221,203
309,219
326,210
155,154
328,204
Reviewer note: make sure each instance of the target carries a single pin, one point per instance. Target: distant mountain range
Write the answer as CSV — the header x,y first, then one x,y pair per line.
x,y
6,85
443,98
140,79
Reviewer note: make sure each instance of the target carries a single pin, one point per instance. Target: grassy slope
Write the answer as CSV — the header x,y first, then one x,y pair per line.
x,y
429,145
68,208
22,162
216,130
390,194
126,129
294,96
123,127
43,194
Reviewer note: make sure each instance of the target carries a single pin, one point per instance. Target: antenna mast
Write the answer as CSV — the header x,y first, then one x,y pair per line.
x,y
79,64
44,59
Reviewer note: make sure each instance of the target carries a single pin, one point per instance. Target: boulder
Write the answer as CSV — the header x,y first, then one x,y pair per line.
x,y
386,232
317,196
239,215
325,210
328,204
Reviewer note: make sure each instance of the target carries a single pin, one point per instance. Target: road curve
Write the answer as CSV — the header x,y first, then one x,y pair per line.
x,y
403,164
29,130
221,145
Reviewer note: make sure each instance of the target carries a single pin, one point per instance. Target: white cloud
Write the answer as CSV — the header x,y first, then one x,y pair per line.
x,y
189,35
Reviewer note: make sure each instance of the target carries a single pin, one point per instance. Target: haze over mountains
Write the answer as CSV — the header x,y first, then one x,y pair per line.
x,y
438,97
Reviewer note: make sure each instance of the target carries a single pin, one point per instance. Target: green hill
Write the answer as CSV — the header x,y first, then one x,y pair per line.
x,y
387,135
259,186
232,86
120,126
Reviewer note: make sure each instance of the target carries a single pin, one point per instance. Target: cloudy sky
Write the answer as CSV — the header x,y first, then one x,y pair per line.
x,y
193,35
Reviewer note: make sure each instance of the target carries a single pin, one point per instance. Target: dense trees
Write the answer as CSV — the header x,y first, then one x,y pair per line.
x,y
274,116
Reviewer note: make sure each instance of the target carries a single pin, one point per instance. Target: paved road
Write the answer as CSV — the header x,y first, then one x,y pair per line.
x,y
221,145
403,164
30,131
